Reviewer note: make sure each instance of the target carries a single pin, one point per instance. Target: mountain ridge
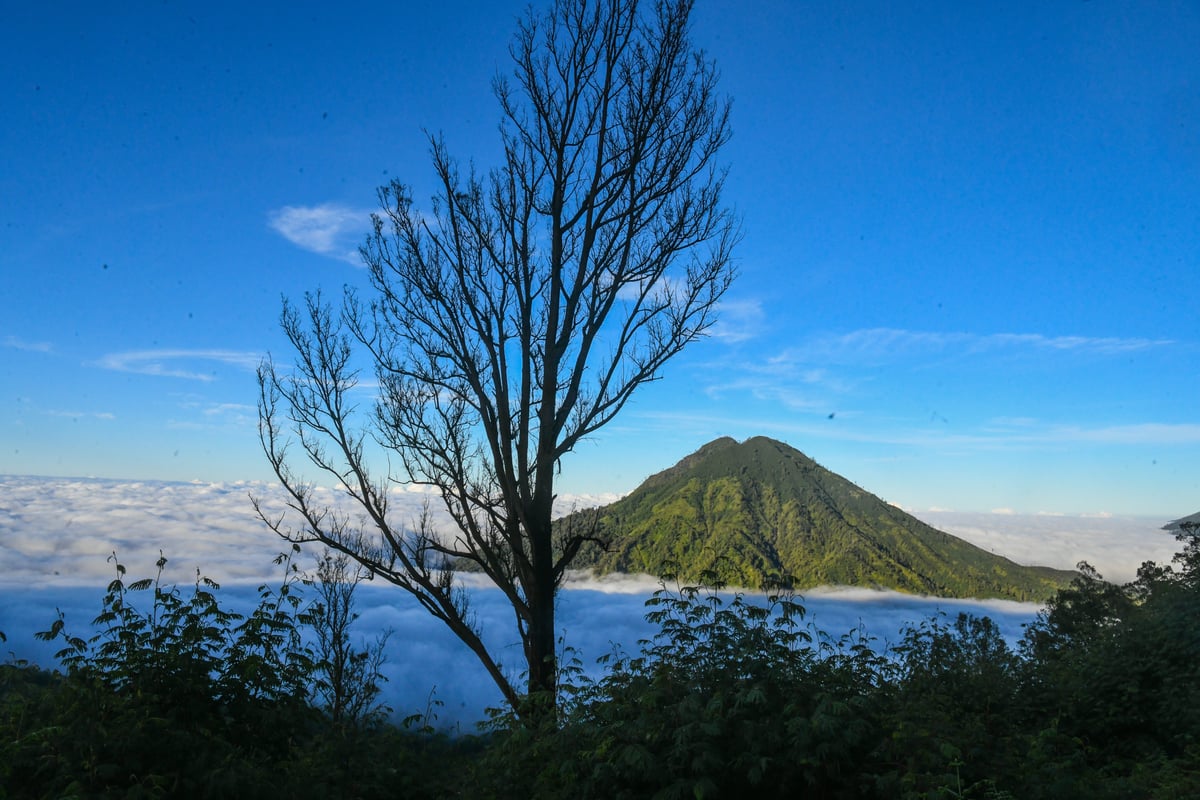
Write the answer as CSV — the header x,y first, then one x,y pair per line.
x,y
1179,524
761,510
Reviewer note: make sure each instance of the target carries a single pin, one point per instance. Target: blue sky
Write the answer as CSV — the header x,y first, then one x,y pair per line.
x,y
969,278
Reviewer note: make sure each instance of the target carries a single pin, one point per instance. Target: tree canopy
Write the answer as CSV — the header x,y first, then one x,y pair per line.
x,y
514,316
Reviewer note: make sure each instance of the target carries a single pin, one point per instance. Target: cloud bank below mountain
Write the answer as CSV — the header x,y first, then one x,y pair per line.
x,y
56,534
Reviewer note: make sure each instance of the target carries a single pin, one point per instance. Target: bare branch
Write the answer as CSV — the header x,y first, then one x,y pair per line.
x,y
513,317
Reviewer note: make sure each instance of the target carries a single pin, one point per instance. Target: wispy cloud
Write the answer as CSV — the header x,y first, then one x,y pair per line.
x,y
177,363
215,416
737,320
1031,436
1102,345
795,385
821,372
17,343
81,414
874,345
1141,433
808,391
226,409
1138,433
785,367
328,229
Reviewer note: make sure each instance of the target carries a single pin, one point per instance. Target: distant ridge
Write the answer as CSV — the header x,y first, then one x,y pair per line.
x,y
1177,524
761,509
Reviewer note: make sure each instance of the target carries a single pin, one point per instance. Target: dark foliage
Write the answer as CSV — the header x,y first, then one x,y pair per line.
x,y
1113,679
732,700
177,697
728,698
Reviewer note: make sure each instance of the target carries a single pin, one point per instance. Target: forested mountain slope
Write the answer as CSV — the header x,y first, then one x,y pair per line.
x,y
758,509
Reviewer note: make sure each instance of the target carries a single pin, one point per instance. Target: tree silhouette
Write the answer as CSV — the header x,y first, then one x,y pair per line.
x,y
513,318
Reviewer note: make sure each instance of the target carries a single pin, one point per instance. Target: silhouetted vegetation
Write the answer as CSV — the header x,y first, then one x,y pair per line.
x,y
511,318
174,696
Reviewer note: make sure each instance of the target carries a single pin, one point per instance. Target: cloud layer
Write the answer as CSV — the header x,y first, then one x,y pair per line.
x,y
879,345
55,536
177,363
1114,545
17,343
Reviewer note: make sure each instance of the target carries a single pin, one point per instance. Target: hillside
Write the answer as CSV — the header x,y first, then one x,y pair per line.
x,y
757,509
1178,524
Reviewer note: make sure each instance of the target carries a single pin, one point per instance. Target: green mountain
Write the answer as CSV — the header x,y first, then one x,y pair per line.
x,y
760,509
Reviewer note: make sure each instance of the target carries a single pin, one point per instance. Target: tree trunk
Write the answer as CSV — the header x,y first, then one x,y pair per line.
x,y
488,344
541,653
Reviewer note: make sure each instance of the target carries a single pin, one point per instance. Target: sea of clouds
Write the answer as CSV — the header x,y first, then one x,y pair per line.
x,y
57,537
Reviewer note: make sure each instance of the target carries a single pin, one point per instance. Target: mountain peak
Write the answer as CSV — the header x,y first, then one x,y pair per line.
x,y
760,509
760,456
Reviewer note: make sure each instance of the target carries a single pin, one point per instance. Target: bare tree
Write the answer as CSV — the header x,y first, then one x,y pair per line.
x,y
515,317
348,677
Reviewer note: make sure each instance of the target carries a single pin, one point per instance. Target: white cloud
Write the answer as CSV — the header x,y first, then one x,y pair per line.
x,y
1024,430
219,415
1115,545
993,440
328,229
166,363
737,320
1033,434
17,343
804,397
1104,345
81,414
878,345
1141,433
612,583
212,527
228,408
56,534
797,387
569,503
